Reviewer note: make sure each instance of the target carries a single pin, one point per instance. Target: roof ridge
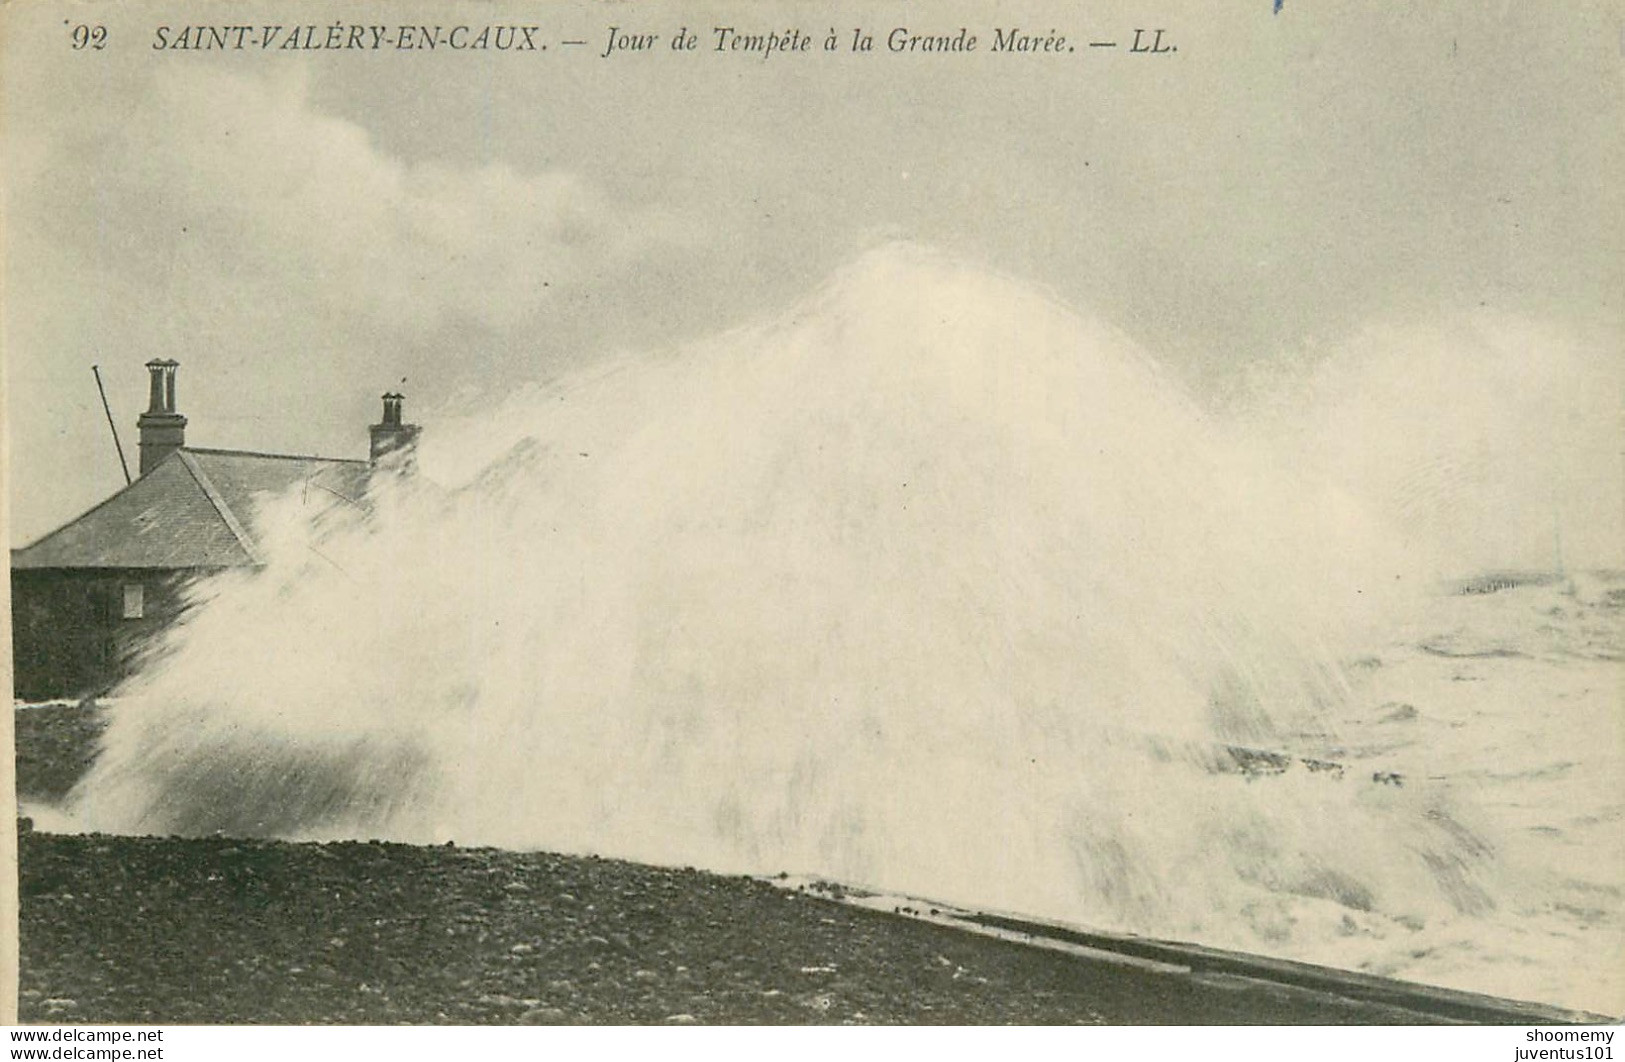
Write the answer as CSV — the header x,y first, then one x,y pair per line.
x,y
277,457
211,492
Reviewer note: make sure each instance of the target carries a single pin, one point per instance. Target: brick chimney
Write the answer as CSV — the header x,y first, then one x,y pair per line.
x,y
391,436
163,431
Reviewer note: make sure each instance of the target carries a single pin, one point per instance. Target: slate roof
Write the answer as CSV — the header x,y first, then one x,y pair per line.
x,y
195,510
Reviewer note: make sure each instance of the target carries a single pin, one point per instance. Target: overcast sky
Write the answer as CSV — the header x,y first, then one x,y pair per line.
x,y
305,231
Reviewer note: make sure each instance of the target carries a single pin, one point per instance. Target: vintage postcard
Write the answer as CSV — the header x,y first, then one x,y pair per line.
x,y
812,512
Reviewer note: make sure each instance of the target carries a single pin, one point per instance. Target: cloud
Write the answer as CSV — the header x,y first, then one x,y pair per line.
x,y
283,194
227,209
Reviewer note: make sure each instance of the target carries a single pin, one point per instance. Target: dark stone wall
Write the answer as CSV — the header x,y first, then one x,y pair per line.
x,y
70,637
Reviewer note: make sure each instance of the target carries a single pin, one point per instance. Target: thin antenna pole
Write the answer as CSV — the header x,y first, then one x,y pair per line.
x,y
110,425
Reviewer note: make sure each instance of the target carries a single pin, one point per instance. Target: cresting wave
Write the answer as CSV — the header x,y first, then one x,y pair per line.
x,y
930,584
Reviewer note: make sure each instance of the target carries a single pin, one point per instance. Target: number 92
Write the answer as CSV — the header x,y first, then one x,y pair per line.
x,y
92,37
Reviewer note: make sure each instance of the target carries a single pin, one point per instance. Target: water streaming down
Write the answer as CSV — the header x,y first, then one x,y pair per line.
x,y
929,584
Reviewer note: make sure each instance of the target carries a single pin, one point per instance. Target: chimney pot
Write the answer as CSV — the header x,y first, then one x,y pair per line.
x,y
155,378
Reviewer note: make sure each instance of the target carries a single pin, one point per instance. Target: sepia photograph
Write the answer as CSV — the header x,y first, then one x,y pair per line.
x,y
815,513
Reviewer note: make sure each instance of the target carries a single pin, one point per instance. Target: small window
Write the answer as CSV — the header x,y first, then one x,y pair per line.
x,y
135,600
